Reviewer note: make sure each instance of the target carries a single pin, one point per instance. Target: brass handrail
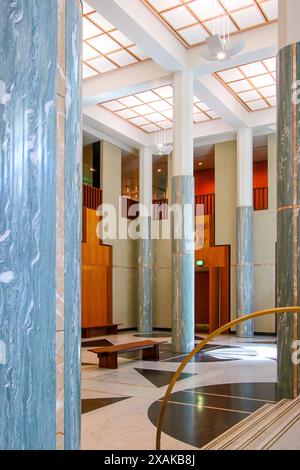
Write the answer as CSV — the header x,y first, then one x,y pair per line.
x,y
260,313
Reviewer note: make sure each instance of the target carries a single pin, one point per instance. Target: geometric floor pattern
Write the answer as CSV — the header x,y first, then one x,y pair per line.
x,y
197,416
160,378
91,404
226,382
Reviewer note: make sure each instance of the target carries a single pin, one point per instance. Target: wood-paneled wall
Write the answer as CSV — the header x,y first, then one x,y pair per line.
x,y
96,276
217,265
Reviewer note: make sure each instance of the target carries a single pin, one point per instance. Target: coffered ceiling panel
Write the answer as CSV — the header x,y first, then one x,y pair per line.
x,y
193,20
152,110
254,84
105,48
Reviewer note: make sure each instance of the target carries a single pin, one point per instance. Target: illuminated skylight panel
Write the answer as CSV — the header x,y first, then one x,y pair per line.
x,y
88,71
248,17
270,9
253,84
193,20
152,110
105,48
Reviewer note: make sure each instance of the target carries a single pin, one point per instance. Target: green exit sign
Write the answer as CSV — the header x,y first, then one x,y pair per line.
x,y
200,262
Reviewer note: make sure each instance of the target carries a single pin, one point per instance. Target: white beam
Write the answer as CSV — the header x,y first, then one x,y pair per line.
x,y
94,135
124,81
114,126
262,118
205,132
209,90
261,43
139,24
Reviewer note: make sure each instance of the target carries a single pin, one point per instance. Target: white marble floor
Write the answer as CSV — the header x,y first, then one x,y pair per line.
x,y
125,425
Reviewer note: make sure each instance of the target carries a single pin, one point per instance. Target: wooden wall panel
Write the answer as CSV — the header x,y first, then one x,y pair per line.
x,y
217,262
96,276
94,296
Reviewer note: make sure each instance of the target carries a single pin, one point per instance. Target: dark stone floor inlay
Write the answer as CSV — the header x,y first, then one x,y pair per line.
x,y
197,416
91,404
160,378
212,353
209,353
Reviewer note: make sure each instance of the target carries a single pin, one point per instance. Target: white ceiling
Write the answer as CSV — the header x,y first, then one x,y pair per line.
x,y
115,27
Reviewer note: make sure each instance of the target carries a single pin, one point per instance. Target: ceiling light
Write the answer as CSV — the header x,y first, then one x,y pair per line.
x,y
160,147
159,170
221,55
221,49
200,163
92,169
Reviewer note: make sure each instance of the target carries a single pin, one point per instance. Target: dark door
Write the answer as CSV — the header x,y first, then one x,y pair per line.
x,y
202,298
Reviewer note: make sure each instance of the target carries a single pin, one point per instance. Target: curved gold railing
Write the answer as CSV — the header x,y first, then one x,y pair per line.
x,y
198,348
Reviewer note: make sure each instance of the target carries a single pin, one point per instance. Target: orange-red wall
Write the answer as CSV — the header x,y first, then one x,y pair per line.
x,y
205,179
260,174
204,182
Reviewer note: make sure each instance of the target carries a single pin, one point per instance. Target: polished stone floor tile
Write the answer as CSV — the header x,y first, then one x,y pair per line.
x,y
258,391
194,425
216,401
207,396
91,404
161,378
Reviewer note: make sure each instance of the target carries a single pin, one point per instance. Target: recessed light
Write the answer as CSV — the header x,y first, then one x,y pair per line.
x,y
221,56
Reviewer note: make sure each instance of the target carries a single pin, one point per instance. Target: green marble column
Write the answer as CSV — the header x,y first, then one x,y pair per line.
x,y
40,231
288,184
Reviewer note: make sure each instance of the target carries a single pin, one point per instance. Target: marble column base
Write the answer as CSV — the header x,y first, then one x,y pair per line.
x,y
145,317
244,279
183,267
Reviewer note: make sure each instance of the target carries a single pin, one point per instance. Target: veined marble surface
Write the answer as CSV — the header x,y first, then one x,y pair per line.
x,y
145,263
73,233
27,223
183,268
288,179
244,272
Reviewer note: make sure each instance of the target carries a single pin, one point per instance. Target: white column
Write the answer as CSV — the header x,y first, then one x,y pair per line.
x,y
183,153
145,317
244,280
145,178
183,250
169,180
245,168
288,30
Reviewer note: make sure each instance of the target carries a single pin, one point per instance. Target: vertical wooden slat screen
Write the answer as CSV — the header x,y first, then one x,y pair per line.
x,y
260,199
208,201
92,197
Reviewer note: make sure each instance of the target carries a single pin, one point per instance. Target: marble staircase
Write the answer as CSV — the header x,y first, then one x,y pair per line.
x,y
272,427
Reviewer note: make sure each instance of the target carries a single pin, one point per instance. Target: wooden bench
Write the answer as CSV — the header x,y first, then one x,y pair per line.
x,y
109,329
108,356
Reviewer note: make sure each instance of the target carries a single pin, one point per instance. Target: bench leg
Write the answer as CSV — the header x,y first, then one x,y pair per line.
x,y
108,361
151,354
